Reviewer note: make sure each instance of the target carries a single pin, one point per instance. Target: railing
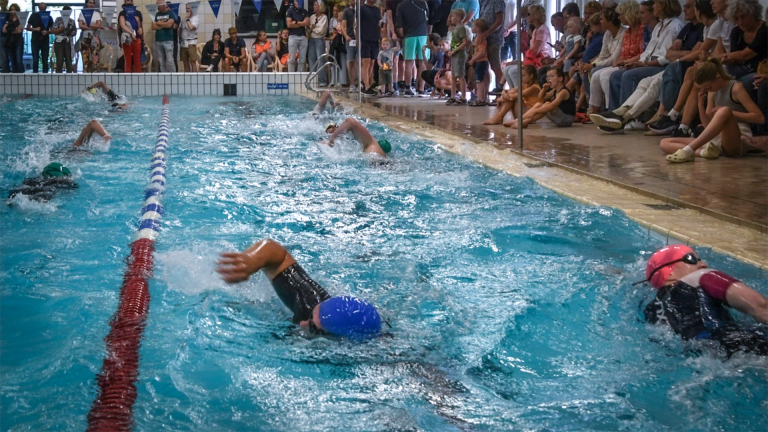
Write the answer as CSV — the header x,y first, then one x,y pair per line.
x,y
334,83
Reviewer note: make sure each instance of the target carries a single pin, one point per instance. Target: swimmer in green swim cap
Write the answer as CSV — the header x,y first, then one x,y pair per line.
x,y
361,134
44,187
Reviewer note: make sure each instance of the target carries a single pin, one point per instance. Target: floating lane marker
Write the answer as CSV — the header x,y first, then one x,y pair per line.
x,y
113,408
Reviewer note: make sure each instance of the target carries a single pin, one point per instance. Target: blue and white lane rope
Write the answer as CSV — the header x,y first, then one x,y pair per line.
x,y
152,211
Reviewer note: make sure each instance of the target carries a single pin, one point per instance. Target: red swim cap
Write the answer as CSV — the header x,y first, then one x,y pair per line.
x,y
661,257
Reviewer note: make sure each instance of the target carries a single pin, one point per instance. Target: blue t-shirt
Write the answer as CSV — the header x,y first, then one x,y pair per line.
x,y
297,15
594,47
234,48
468,6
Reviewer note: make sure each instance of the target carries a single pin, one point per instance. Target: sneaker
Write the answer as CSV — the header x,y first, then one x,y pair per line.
x,y
698,130
395,93
610,131
635,125
682,133
352,89
711,151
497,90
608,119
664,126
209,68
370,92
409,92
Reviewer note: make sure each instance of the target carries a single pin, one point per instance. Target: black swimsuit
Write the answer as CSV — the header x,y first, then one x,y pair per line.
x,y
299,292
43,188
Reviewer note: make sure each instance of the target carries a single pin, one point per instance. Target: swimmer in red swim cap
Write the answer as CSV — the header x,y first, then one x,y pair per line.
x,y
693,300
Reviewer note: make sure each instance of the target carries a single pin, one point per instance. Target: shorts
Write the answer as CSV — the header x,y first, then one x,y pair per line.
x,y
746,130
385,78
412,49
298,292
351,52
369,50
459,65
559,118
481,70
189,54
429,77
494,53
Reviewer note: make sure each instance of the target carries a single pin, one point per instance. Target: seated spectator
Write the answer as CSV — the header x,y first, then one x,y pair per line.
x,y
234,52
189,55
726,114
434,63
263,52
573,45
508,99
580,71
539,48
443,78
559,106
749,39
282,47
213,52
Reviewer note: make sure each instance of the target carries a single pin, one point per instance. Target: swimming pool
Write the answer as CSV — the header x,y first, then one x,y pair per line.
x,y
510,306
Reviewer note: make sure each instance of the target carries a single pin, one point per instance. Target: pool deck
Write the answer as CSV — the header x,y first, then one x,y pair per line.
x,y
721,204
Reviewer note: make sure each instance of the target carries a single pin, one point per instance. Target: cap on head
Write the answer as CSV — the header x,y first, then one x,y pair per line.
x,y
232,30
349,317
56,169
385,145
661,257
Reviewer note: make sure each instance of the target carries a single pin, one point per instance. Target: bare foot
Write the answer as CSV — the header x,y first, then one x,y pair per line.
x,y
759,142
511,123
492,121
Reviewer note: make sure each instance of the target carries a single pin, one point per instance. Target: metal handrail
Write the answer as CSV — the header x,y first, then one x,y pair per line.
x,y
333,78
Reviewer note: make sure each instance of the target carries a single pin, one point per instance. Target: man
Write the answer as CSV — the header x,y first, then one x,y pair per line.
x,y
435,63
43,188
297,20
313,308
163,26
370,15
509,49
694,299
492,11
234,51
5,64
40,24
350,43
361,134
412,27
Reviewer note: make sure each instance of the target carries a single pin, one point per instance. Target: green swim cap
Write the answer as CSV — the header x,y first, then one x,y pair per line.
x,y
93,91
385,145
56,169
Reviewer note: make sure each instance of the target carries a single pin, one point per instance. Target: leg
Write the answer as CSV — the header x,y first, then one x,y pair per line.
x,y
366,77
685,90
613,90
90,128
58,50
136,49
45,49
511,75
672,83
644,97
631,78
170,58
293,49
68,57
502,111
128,57
303,44
671,145
494,58
36,57
409,72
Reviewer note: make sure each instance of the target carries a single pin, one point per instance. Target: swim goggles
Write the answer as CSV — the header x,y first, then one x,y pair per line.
x,y
313,328
688,258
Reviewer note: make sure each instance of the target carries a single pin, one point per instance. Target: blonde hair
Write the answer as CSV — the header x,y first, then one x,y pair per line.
x,y
594,20
711,70
594,6
460,14
577,20
536,14
630,10
321,7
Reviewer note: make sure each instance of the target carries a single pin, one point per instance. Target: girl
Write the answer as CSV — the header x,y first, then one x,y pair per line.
x,y
480,62
14,41
573,42
560,106
539,49
282,47
508,99
726,117
263,52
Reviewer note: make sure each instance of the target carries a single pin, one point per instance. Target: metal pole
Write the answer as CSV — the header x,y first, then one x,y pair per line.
x,y
520,75
359,53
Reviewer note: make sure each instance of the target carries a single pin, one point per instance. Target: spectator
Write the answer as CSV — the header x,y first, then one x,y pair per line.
x,y
370,15
385,60
508,100
234,51
581,70
471,9
459,43
749,40
318,27
571,10
282,47
509,47
90,41
492,11
40,24
435,62
163,26
412,23
573,44
4,60
213,52
130,33
189,54
727,113
14,41
175,29
539,46
338,45
350,43
480,62
64,28
263,51
297,21
560,105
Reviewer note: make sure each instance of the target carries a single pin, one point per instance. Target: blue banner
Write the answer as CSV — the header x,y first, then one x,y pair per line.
x,y
257,5
3,16
215,5
45,16
88,15
175,8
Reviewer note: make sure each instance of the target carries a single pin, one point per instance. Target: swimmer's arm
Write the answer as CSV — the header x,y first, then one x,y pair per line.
x,y
746,300
349,124
266,255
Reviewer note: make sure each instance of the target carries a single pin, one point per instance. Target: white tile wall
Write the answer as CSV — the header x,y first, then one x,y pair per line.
x,y
155,84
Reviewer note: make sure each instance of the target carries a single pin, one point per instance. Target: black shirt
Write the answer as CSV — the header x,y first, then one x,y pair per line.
x,y
297,15
369,23
349,17
759,45
36,21
208,51
690,35
412,18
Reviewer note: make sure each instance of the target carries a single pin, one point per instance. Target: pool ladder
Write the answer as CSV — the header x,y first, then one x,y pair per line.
x,y
334,84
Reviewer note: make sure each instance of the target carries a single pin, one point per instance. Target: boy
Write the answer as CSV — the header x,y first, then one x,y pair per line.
x,y
385,59
459,43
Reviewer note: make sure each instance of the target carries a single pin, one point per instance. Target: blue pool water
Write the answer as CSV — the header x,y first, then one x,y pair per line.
x,y
510,306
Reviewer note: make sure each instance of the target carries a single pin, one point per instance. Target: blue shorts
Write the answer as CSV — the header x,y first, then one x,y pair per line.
x,y
351,52
481,70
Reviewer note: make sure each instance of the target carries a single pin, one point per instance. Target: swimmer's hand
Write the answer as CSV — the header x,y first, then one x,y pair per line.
x,y
329,143
235,266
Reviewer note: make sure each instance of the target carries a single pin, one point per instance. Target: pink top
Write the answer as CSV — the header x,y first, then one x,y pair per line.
x,y
541,33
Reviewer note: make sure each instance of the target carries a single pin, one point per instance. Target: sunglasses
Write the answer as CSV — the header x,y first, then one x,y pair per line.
x,y
688,258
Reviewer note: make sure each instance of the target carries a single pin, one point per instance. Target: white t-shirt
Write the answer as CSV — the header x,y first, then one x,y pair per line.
x,y
95,18
722,29
189,36
510,14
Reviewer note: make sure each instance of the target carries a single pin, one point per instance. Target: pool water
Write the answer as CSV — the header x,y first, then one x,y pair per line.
x,y
510,306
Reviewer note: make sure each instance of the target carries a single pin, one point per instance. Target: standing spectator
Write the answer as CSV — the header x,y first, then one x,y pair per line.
x,y
14,40
90,42
234,51
412,23
175,37
64,28
263,51
130,33
297,21
338,46
471,9
509,48
3,56
492,11
385,59
397,66
350,43
539,50
318,27
370,15
459,43
480,62
40,24
213,52
189,40
163,26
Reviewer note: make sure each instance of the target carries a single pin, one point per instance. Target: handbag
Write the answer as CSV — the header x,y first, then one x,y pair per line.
x,y
532,58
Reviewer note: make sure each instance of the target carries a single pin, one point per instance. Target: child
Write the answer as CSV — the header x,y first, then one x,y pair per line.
x,y
560,106
282,47
580,71
386,56
480,62
508,99
459,44
443,77
572,49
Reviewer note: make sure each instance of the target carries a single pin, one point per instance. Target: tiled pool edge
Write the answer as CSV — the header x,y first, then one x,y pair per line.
x,y
157,84
739,241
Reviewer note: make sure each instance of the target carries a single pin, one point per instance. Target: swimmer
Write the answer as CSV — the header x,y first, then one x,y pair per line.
x,y
88,130
313,308
694,299
321,104
361,134
54,177
119,102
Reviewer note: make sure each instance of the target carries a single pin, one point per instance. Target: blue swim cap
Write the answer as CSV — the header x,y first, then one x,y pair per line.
x,y
349,317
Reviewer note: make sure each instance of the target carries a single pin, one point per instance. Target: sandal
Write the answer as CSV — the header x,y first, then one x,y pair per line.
x,y
461,101
450,101
680,156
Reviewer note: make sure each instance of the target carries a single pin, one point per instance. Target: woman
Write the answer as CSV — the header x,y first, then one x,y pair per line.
x,y
90,42
318,28
130,34
263,52
64,28
213,52
189,41
727,115
539,48
14,41
749,39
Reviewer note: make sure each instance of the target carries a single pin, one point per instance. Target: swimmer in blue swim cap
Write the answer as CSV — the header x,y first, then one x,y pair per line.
x,y
370,145
313,308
